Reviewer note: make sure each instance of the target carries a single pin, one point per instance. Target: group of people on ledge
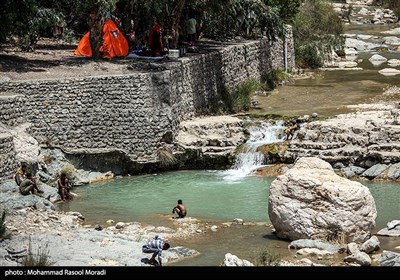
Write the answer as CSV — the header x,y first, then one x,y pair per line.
x,y
157,43
27,183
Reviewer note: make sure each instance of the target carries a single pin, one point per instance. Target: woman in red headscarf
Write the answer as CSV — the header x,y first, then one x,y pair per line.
x,y
155,40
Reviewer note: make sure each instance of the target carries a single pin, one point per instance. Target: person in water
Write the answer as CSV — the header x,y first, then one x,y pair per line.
x,y
64,187
180,209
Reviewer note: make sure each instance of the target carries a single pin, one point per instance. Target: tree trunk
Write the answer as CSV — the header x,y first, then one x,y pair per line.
x,y
96,34
174,20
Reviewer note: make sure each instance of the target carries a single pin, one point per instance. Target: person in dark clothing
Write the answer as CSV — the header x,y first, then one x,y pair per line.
x,y
155,41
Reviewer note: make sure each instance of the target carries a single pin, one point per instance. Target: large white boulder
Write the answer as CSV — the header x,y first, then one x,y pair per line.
x,y
311,201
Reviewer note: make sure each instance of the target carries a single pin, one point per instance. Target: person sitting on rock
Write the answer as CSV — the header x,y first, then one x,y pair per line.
x,y
180,209
28,185
64,187
20,174
292,129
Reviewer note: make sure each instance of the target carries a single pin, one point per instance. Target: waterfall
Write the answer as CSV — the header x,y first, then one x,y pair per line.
x,y
249,159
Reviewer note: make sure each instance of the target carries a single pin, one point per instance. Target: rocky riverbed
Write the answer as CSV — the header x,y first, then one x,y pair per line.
x,y
68,241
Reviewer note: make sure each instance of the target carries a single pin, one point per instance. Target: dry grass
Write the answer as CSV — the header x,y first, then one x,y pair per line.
x,y
333,234
4,233
41,258
166,157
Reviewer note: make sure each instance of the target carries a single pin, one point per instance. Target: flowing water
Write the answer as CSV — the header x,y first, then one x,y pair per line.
x,y
221,196
328,93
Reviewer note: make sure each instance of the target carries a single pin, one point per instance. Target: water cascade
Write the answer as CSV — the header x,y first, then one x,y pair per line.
x,y
249,158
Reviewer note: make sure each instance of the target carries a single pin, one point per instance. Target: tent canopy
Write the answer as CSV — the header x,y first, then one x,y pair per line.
x,y
114,45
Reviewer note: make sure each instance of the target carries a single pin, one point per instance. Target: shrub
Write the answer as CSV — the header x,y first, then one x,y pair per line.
x,y
41,258
166,157
333,234
317,31
239,98
267,258
274,78
4,234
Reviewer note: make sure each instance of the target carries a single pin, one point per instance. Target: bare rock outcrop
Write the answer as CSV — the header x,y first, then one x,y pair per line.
x,y
232,260
361,139
208,142
311,201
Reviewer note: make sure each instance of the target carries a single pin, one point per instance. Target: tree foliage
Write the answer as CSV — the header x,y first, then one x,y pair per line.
x,y
394,5
316,26
287,9
317,31
29,19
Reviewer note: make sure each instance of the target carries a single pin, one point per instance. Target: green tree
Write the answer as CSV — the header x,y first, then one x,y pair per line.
x,y
27,20
287,8
394,5
317,31
248,18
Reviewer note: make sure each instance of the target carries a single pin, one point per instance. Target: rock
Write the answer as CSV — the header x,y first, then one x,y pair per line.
x,y
98,227
313,252
318,244
389,72
238,221
214,228
374,171
360,258
393,224
352,171
232,260
311,201
393,232
352,248
178,253
120,225
394,62
388,258
370,245
377,57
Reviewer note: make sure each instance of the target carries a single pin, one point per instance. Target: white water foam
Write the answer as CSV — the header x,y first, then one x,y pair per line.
x,y
249,160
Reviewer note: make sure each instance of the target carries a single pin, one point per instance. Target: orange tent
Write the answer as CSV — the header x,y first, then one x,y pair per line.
x,y
115,43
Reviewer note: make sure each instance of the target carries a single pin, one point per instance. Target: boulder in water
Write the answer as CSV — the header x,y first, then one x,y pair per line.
x,y
311,201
